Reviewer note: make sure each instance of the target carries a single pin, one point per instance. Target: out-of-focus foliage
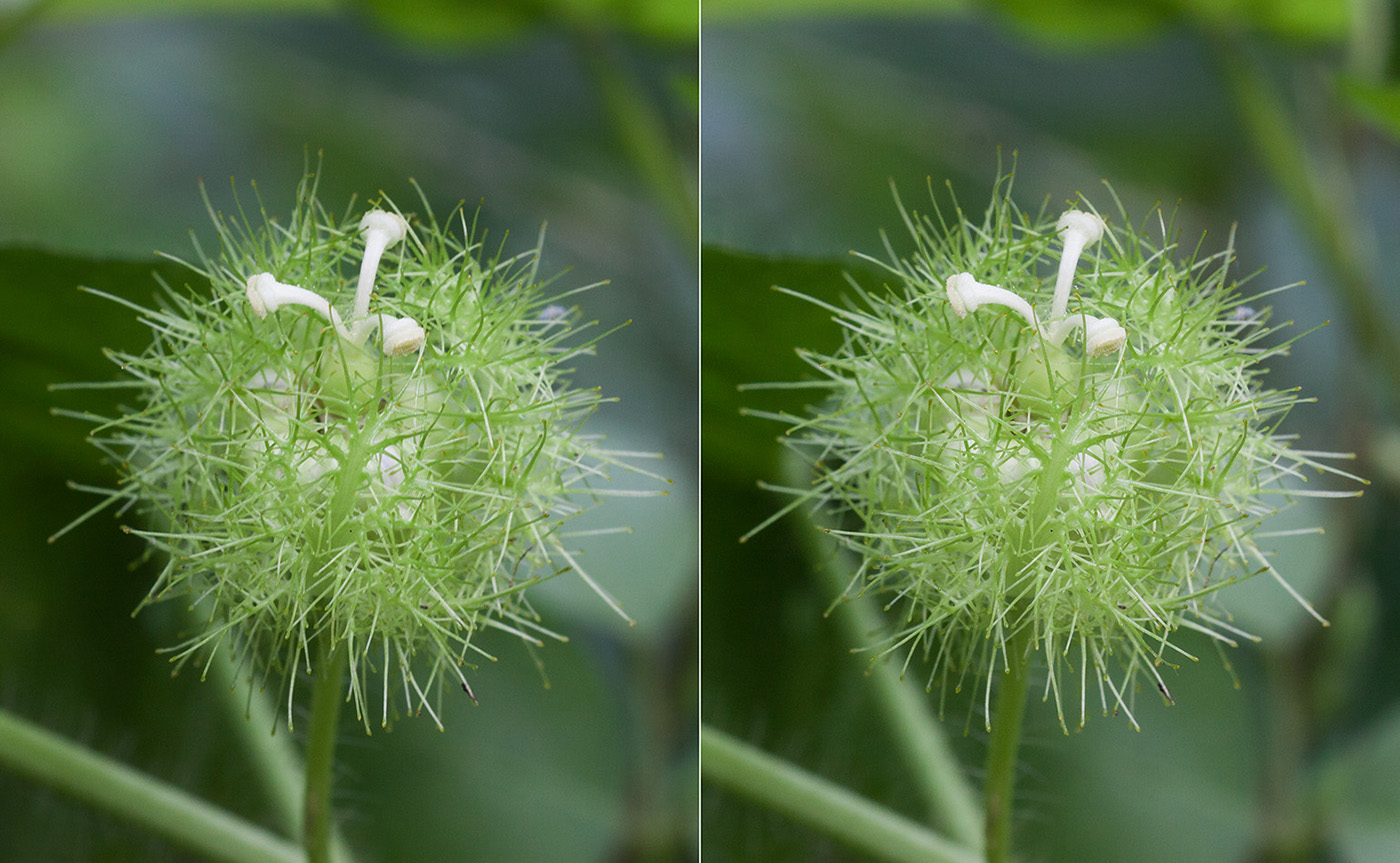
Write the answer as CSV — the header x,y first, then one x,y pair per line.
x,y
807,118
447,22
113,114
1077,22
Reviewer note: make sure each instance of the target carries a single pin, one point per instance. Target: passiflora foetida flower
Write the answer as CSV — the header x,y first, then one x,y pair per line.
x,y
358,431
1051,436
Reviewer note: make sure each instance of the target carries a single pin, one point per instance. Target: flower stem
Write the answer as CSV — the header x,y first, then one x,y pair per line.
x,y
327,695
136,797
852,819
1010,708
1006,741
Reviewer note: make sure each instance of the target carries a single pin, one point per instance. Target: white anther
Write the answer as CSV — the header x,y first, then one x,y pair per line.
x,y
399,336
267,295
966,294
381,230
1078,230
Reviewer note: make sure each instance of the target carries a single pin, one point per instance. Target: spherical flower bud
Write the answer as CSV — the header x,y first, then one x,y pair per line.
x,y
310,489
1018,494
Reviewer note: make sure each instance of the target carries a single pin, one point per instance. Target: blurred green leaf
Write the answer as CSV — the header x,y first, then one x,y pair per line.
x,y
749,335
531,775
736,10
53,333
98,8
1098,21
1378,104
1081,21
650,570
1360,787
445,23
1084,21
1260,606
1181,789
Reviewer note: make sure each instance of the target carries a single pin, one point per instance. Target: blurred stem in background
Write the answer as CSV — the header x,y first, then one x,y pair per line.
x,y
1319,202
272,756
951,804
640,130
814,801
177,815
903,706
143,800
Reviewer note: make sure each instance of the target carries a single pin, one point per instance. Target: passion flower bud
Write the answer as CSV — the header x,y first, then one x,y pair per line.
x,y
1017,498
315,497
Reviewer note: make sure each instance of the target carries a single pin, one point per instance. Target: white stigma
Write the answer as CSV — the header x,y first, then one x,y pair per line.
x,y
1078,230
267,295
381,230
966,295
399,336
1101,335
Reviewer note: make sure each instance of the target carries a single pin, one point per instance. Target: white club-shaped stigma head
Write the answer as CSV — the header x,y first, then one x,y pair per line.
x,y
262,289
400,336
1103,335
966,295
381,229
1088,226
267,295
391,227
1078,230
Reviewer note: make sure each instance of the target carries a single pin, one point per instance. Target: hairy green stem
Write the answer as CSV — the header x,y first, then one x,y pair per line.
x,y
1007,718
1009,713
327,696
328,675
136,797
859,823
904,706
